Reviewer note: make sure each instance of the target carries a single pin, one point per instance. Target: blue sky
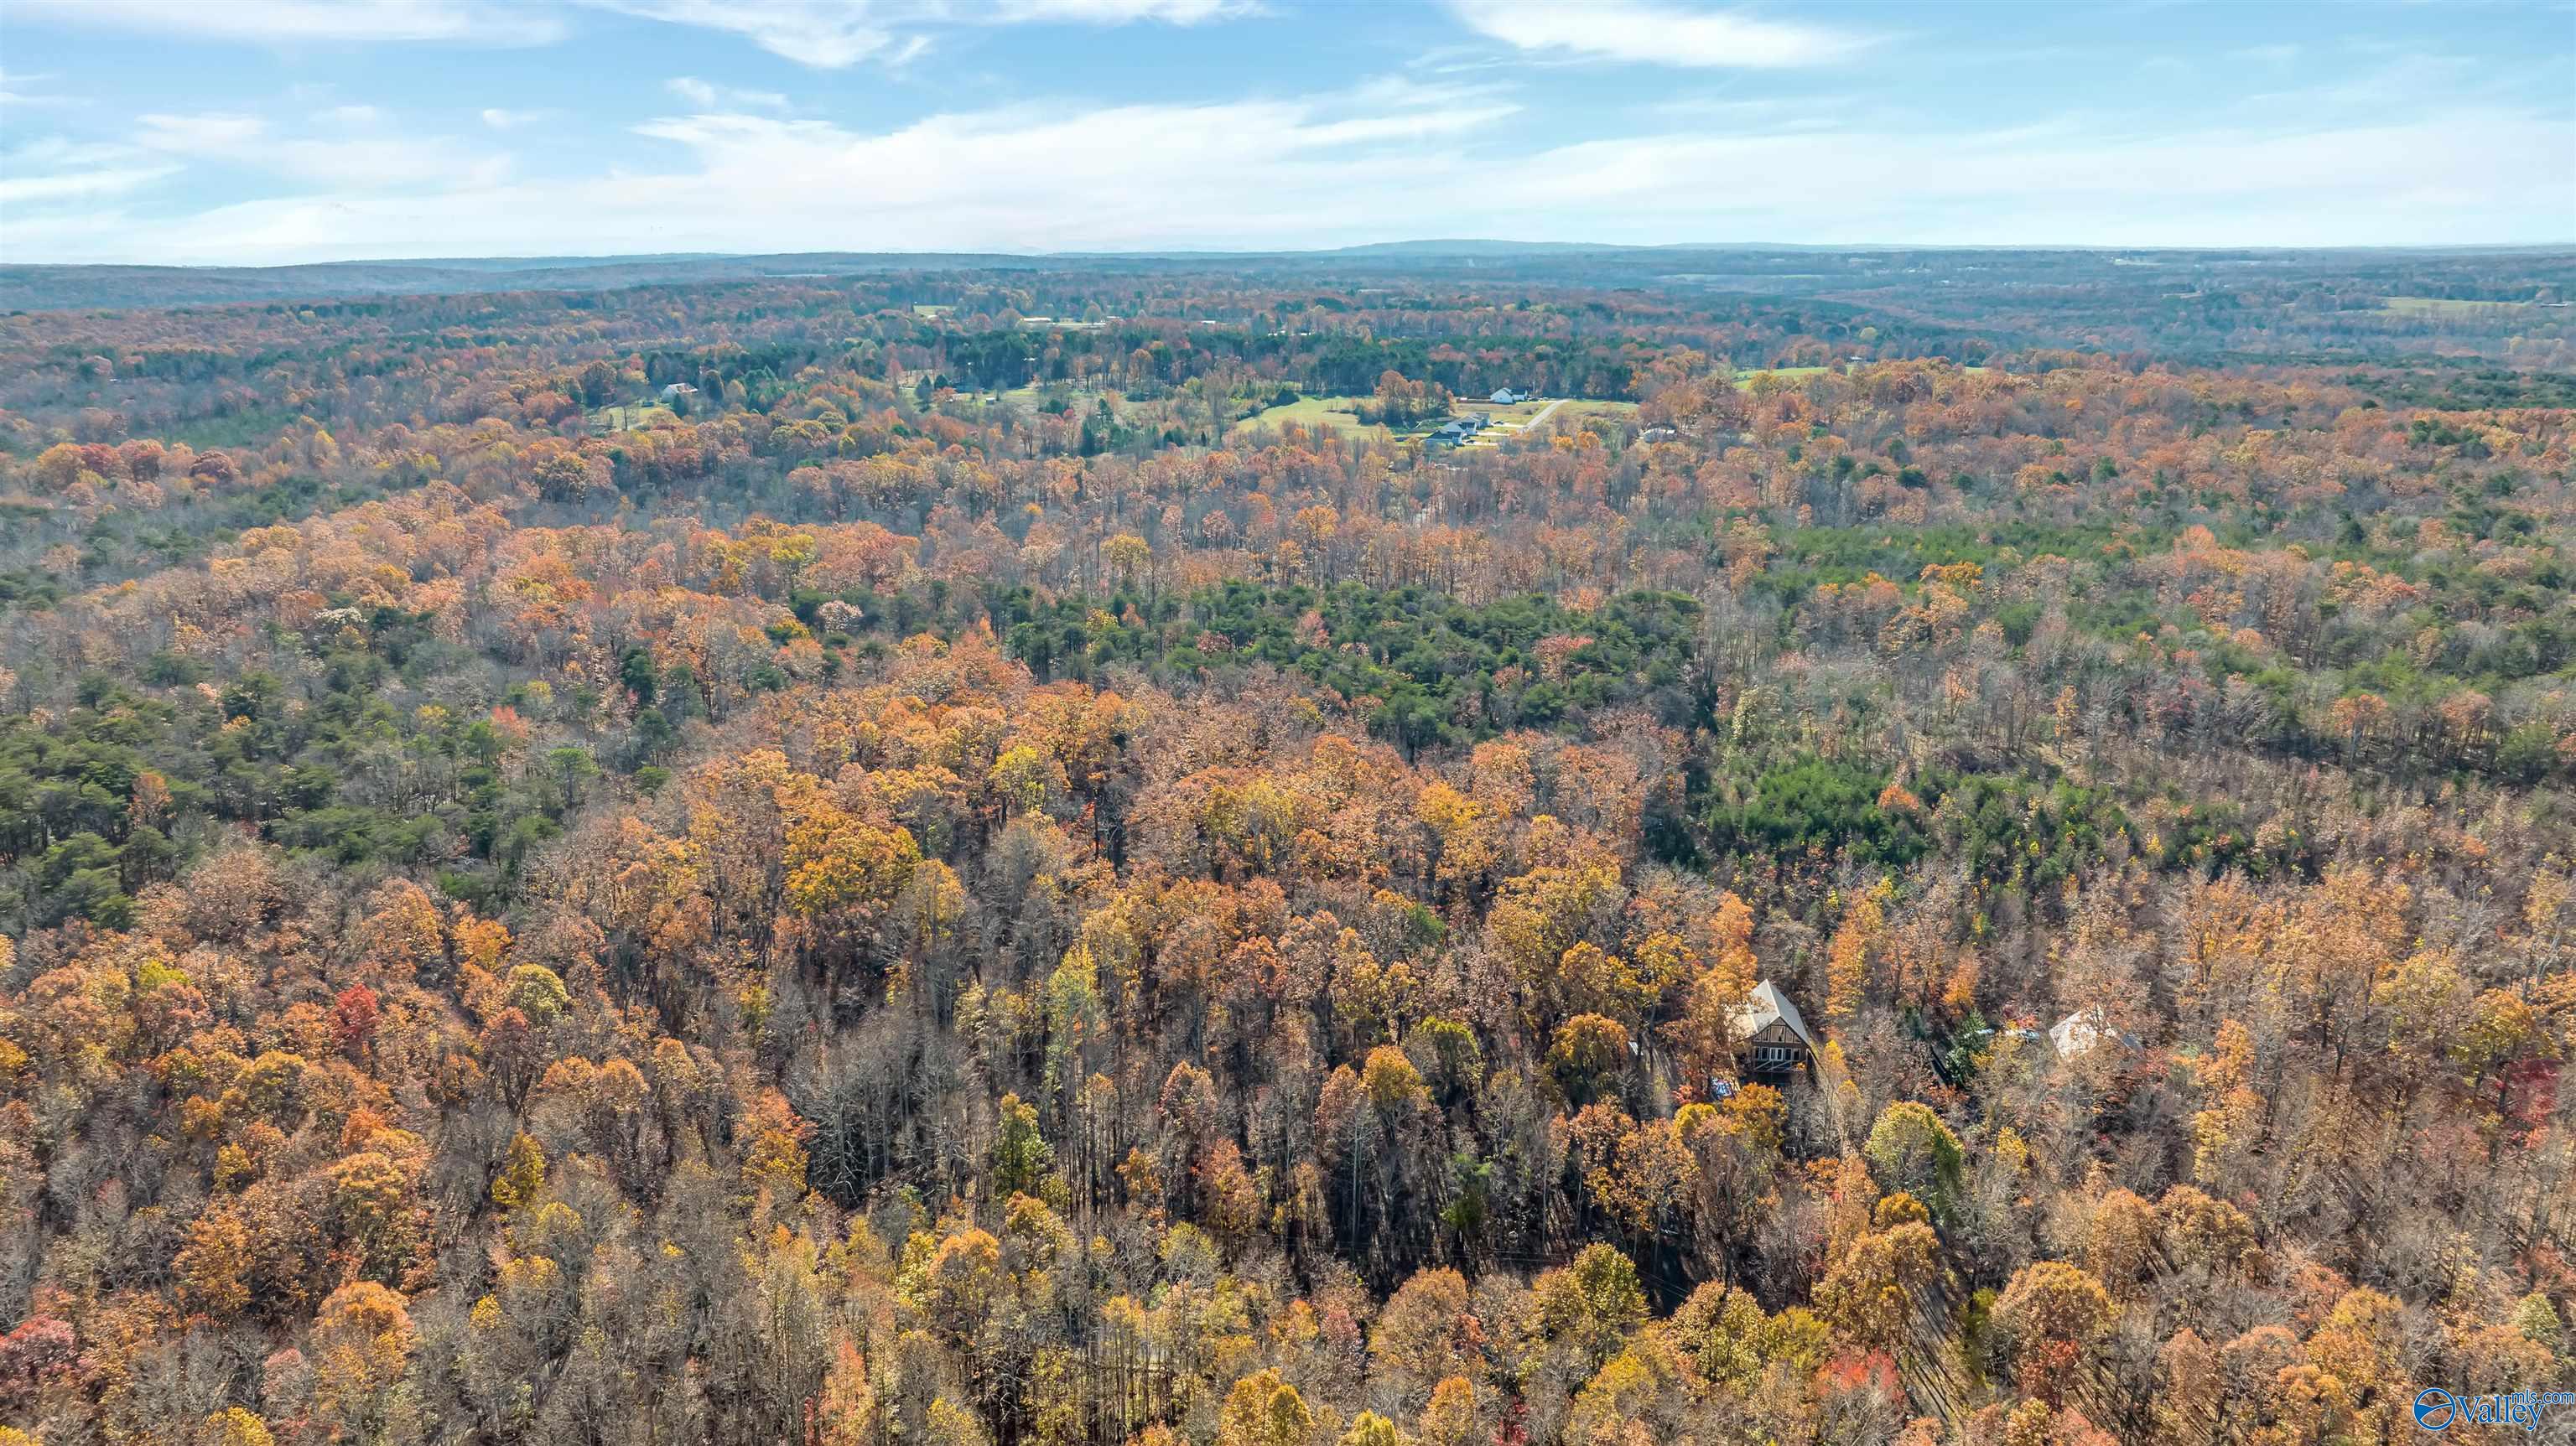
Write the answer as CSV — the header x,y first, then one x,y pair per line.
x,y
267,131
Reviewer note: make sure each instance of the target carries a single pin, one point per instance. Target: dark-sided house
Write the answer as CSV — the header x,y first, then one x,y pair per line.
x,y
1772,1039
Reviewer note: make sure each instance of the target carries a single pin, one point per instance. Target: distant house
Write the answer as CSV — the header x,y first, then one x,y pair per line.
x,y
1506,396
2084,1031
1657,434
677,390
1772,1039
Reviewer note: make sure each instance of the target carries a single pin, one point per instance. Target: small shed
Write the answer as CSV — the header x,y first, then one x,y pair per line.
x,y
1772,1039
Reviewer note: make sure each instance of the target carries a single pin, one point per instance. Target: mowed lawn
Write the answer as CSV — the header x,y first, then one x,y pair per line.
x,y
1744,380
626,418
1339,414
1033,397
1511,420
2443,306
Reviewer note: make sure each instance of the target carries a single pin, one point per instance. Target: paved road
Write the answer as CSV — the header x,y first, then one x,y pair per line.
x,y
1543,414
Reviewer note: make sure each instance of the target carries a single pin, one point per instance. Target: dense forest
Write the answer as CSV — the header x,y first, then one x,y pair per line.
x,y
973,853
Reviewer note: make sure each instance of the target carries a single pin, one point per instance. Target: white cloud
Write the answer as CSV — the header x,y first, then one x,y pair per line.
x,y
2456,176
72,186
495,22
707,96
353,148
1114,12
1383,161
55,170
1770,113
1023,179
1031,179
1646,32
20,88
833,34
385,162
205,134
816,32
510,120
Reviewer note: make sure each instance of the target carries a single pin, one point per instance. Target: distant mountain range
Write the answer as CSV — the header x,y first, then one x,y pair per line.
x,y
74,286
60,287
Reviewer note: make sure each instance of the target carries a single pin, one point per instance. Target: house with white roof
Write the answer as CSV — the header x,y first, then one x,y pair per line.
x,y
1770,1037
2083,1031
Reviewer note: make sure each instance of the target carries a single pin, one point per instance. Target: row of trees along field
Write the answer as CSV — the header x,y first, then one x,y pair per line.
x,y
877,910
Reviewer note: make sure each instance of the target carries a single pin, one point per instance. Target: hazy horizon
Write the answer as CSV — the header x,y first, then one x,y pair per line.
x,y
1499,246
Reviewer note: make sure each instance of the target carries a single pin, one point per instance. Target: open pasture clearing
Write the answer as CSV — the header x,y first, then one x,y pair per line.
x,y
2446,308
1036,397
1510,421
1338,414
1341,414
1744,380
627,418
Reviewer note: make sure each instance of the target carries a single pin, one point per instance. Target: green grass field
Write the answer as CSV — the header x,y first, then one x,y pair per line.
x,y
1515,413
1033,397
237,429
1589,407
1510,420
1339,414
1744,380
2445,306
626,418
